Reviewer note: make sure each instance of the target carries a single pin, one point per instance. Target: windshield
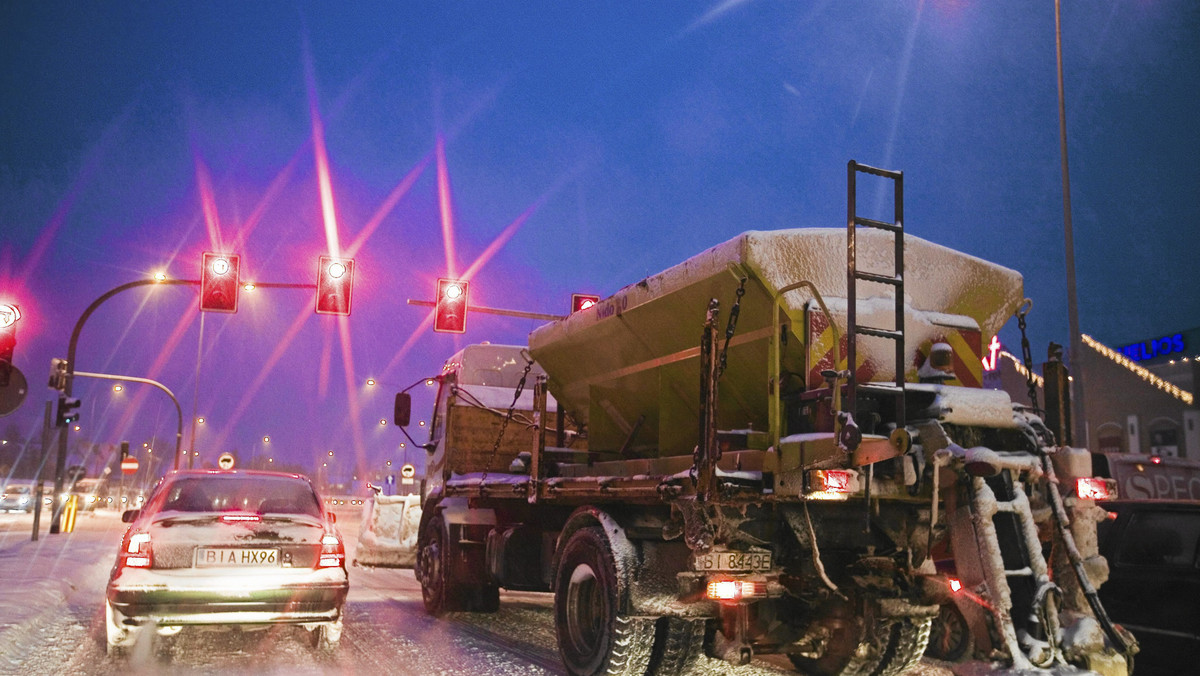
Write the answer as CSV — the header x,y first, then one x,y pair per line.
x,y
264,495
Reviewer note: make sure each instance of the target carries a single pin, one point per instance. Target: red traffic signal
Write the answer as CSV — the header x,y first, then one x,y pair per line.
x,y
219,282
335,278
9,314
450,312
582,301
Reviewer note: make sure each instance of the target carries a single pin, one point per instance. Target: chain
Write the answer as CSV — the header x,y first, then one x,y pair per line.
x,y
1029,381
508,416
732,326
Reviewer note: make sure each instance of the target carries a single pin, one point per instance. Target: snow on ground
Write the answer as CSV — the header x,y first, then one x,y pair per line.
x,y
51,596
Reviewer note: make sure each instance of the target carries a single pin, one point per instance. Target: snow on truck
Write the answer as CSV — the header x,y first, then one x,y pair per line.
x,y
694,471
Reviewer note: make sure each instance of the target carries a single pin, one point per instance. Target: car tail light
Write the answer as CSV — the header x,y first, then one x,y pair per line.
x,y
136,553
333,553
734,590
1094,488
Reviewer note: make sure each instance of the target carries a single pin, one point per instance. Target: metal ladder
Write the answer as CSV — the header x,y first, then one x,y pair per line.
x,y
1017,575
896,281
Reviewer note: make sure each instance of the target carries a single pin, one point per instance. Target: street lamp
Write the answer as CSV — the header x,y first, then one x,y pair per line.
x,y
1078,423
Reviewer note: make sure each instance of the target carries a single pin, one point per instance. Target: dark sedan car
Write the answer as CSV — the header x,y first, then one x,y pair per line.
x,y
1153,589
228,547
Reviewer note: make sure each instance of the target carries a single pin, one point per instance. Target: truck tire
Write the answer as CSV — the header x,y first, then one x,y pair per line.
x,y
888,647
950,637
682,645
438,592
595,635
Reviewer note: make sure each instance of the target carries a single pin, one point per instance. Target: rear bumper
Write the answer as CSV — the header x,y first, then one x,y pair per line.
x,y
182,597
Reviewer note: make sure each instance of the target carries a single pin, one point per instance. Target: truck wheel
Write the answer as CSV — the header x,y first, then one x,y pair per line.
x,y
888,647
682,644
594,636
437,591
949,637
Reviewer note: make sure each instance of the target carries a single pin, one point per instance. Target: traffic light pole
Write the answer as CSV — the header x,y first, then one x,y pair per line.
x,y
61,461
494,311
147,381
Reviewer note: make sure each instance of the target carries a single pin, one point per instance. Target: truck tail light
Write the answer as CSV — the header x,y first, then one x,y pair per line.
x,y
333,552
734,590
1094,488
136,553
833,483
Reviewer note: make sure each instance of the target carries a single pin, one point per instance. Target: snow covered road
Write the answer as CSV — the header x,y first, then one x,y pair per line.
x,y
51,622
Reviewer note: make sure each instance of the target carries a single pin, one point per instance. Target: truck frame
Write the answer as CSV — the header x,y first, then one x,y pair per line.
x,y
796,483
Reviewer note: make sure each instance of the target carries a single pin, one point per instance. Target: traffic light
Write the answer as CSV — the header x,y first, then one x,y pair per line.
x,y
67,411
219,282
9,314
582,301
450,313
335,278
58,374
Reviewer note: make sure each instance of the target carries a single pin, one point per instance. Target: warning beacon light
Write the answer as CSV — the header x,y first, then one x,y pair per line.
x,y
450,311
219,282
335,278
582,301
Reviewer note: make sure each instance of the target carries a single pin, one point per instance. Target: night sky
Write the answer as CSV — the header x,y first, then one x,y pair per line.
x,y
563,147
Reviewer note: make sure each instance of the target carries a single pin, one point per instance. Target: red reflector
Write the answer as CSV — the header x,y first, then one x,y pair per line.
x,y
238,518
1091,488
955,585
1111,516
1156,459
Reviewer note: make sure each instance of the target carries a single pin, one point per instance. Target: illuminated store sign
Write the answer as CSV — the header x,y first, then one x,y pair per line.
x,y
1158,347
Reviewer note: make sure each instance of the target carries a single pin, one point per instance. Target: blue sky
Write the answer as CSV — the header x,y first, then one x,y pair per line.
x,y
616,139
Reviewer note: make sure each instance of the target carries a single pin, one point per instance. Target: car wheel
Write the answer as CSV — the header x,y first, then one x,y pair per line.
x,y
326,636
119,638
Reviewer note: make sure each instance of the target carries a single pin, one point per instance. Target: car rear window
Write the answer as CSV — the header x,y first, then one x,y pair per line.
x,y
1167,538
264,495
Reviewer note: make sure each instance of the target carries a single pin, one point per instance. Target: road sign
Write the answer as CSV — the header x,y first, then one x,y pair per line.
x,y
225,461
129,465
13,394
407,471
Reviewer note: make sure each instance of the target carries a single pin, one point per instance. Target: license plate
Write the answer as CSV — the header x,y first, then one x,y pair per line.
x,y
734,562
236,557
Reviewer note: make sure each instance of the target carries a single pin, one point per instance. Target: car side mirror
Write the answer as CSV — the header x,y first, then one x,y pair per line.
x,y
403,412
129,515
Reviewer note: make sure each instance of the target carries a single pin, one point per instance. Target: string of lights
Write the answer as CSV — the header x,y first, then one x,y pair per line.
x,y
1179,393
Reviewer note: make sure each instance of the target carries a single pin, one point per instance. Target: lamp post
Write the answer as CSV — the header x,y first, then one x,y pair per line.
x,y
1079,420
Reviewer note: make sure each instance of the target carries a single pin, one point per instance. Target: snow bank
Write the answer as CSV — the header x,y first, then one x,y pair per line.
x,y
388,534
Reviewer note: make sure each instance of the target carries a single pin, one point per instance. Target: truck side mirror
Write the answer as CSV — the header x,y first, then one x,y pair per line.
x,y
403,410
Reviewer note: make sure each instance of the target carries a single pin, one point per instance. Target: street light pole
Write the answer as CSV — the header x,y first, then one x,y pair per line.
x,y
1079,420
61,460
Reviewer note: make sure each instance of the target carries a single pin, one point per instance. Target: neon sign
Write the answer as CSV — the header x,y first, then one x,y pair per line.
x,y
989,362
1157,347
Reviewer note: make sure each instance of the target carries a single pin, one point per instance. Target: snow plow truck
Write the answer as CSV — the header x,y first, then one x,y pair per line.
x,y
779,446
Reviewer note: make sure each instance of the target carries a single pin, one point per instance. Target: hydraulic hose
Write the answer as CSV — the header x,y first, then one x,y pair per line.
x,y
1093,598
